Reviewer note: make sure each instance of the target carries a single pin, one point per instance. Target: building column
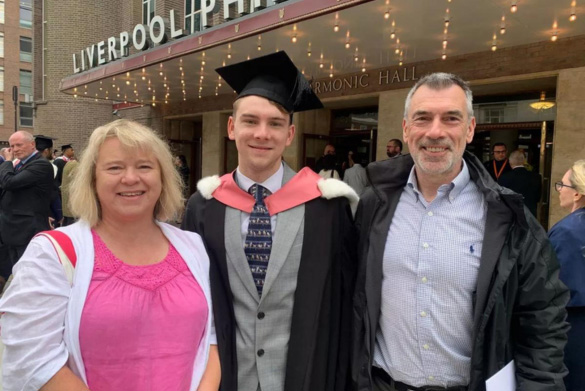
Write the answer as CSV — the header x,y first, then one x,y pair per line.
x,y
390,114
213,133
569,133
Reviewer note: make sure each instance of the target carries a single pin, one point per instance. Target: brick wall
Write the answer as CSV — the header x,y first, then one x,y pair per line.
x,y
70,28
12,65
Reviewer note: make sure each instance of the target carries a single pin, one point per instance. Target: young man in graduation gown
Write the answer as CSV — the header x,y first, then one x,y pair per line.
x,y
281,244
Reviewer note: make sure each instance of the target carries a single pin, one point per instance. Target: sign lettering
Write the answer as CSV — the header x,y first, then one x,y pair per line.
x,y
143,37
361,81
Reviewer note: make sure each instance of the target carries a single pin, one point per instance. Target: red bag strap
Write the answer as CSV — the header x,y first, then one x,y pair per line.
x,y
65,243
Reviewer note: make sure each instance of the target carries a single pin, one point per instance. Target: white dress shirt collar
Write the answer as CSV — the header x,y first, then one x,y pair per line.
x,y
273,183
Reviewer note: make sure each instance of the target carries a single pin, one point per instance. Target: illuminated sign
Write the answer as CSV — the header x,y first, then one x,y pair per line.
x,y
159,30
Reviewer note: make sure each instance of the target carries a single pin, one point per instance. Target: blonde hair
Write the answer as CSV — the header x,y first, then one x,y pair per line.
x,y
84,202
577,176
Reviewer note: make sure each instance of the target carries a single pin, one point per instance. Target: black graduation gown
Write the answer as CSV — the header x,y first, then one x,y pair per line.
x,y
319,346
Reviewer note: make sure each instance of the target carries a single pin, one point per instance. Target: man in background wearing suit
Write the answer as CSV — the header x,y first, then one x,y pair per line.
x,y
522,181
280,244
26,192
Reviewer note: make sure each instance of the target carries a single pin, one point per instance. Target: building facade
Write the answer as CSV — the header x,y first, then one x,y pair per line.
x,y
16,64
361,55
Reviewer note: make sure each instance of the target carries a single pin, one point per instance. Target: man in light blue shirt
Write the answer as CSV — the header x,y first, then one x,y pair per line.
x,y
456,278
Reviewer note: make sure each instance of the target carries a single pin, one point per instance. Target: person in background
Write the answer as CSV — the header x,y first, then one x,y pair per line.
x,y
356,176
329,170
138,315
347,163
499,164
27,191
68,174
568,239
394,148
67,154
44,145
522,181
183,167
328,150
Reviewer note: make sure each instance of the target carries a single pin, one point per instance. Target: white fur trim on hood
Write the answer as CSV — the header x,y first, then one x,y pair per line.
x,y
330,188
207,186
333,188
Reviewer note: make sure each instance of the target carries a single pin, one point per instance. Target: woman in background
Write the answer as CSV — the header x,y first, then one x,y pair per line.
x,y
568,239
138,316
329,170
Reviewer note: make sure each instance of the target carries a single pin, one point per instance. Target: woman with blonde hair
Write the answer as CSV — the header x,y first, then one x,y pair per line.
x,y
568,239
138,314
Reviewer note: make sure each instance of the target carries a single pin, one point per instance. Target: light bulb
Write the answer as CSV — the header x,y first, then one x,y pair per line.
x,y
494,48
347,45
444,56
554,37
573,17
387,14
294,39
336,28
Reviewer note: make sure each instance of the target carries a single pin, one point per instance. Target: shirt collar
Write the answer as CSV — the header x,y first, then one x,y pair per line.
x,y
452,190
29,156
273,183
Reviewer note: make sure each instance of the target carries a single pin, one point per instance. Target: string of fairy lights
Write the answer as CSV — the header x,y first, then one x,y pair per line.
x,y
139,86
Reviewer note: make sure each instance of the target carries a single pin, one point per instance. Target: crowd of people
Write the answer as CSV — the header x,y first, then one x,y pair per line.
x,y
420,272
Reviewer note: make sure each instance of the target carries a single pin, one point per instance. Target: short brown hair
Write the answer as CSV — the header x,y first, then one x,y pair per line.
x,y
277,105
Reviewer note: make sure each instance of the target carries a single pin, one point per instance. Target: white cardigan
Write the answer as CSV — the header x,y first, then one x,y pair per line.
x,y
42,312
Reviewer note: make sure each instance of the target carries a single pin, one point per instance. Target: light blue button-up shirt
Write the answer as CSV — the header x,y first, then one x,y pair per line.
x,y
430,265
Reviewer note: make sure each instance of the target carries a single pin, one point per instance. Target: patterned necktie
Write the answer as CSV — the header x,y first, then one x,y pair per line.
x,y
259,238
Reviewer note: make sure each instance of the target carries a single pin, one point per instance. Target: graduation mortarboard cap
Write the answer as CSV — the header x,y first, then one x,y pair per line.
x,y
65,147
43,142
273,77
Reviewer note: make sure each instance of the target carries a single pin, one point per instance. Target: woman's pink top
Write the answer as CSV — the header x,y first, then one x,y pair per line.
x,y
141,326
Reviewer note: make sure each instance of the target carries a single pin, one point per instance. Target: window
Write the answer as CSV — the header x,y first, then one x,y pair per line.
x,y
2,11
148,8
25,49
26,114
1,78
1,44
1,112
25,82
193,16
26,13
